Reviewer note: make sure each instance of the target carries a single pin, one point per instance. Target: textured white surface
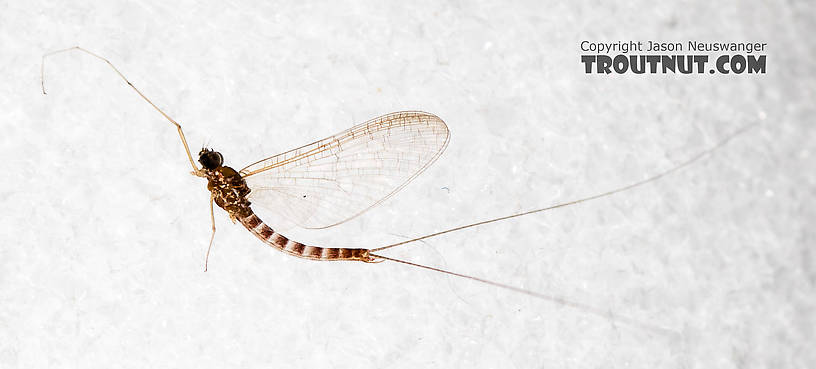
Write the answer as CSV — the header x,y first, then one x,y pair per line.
x,y
103,230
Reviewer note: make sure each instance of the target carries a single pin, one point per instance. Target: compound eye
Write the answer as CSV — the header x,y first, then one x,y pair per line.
x,y
210,159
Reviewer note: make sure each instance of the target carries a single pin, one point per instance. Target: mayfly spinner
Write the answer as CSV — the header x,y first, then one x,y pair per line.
x,y
332,180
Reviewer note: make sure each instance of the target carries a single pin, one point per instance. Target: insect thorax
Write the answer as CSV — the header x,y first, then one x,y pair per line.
x,y
229,191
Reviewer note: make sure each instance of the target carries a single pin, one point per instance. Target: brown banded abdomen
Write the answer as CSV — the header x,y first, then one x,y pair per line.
x,y
294,248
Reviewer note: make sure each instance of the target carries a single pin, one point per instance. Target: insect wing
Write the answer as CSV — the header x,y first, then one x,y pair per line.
x,y
330,181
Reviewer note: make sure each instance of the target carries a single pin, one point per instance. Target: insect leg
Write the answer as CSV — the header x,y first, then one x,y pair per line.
x,y
212,235
178,126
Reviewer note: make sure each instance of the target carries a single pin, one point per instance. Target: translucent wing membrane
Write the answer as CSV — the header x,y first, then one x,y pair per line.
x,y
330,181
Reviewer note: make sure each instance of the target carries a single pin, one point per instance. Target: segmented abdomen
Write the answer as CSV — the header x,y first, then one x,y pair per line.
x,y
294,248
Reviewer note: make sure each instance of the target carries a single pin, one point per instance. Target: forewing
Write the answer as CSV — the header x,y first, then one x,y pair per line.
x,y
330,181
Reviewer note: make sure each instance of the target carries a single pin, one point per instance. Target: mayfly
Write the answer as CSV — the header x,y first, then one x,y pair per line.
x,y
335,179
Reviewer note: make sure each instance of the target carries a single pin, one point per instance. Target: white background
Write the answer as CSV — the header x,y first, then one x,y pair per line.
x,y
103,230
